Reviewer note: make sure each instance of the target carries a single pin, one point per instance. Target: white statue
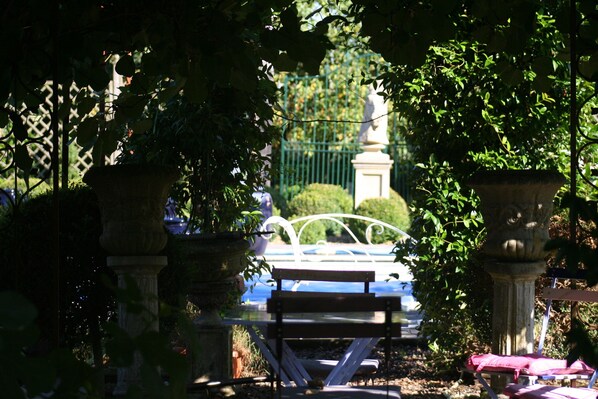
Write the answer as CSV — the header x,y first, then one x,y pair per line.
x,y
375,120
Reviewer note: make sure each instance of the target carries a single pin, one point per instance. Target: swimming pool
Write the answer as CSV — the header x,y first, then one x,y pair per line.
x,y
259,288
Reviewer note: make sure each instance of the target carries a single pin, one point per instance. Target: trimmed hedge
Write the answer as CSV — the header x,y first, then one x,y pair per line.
x,y
319,198
393,210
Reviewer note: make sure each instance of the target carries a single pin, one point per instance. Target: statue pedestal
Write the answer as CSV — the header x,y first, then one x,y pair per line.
x,y
513,309
516,206
372,176
144,272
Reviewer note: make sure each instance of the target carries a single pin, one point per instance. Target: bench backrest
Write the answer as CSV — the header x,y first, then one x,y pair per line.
x,y
553,293
343,276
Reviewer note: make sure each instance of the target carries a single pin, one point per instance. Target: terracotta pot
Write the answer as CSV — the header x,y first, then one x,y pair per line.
x,y
238,365
132,200
516,206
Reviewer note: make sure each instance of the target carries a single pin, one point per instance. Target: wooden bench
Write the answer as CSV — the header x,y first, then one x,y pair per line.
x,y
366,331
322,368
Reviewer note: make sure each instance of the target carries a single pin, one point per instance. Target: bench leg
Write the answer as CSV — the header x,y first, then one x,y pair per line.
x,y
359,349
486,386
268,354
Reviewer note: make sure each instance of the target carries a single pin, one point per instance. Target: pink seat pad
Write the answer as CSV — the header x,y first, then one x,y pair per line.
x,y
530,364
538,391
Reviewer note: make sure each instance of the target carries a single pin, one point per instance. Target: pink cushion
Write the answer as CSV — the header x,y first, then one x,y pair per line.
x,y
539,391
530,364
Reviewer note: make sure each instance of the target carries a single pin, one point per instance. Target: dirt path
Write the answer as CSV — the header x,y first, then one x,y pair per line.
x,y
408,370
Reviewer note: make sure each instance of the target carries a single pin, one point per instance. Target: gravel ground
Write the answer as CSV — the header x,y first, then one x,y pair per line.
x,y
408,370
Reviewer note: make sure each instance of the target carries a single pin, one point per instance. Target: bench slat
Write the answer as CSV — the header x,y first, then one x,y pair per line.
x,y
570,295
333,330
339,303
312,294
324,275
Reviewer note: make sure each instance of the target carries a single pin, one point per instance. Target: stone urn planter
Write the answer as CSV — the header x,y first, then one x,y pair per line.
x,y
132,200
213,257
213,260
516,206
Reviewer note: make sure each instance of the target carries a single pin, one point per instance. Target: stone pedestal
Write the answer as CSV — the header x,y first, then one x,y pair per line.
x,y
516,206
214,362
215,359
143,271
513,310
372,174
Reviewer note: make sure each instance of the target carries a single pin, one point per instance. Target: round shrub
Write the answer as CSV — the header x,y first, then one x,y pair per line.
x,y
319,198
393,210
312,233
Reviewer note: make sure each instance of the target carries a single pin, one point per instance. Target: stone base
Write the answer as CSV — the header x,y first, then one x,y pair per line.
x,y
143,270
214,361
513,309
372,176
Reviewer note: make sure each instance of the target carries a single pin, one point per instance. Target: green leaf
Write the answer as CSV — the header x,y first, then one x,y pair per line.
x,y
18,127
129,107
15,310
85,105
38,375
125,66
141,126
195,87
169,92
120,348
87,132
98,78
22,158
285,63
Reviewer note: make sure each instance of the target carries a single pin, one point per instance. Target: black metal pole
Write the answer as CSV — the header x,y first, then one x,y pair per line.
x,y
54,301
573,121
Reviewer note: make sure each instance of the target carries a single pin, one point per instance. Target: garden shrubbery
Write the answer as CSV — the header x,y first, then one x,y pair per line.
x,y
26,247
86,301
319,198
393,210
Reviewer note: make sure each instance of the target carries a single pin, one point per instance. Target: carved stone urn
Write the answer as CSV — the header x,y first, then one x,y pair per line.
x,y
516,206
213,260
132,200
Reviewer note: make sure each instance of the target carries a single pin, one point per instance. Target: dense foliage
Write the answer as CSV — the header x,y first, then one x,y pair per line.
x,y
213,145
465,115
162,50
25,247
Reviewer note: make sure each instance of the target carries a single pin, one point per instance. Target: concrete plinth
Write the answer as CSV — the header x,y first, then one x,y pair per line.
x,y
215,360
143,270
513,311
372,176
